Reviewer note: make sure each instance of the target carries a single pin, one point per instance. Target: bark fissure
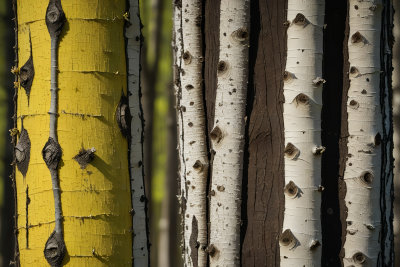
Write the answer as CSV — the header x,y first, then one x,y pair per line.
x,y
14,132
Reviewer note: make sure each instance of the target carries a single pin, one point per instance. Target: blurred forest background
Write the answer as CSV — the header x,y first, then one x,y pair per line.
x,y
160,160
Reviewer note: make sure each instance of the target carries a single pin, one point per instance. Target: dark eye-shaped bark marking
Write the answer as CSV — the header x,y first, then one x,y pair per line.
x,y
26,75
357,38
84,157
287,239
314,245
54,250
187,58
23,152
302,99
359,258
291,189
300,19
291,151
216,135
55,18
239,35
124,117
378,139
51,153
213,251
366,178
354,104
193,242
222,68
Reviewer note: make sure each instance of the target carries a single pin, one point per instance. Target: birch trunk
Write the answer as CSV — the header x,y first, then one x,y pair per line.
x,y
94,91
192,142
301,238
227,136
368,175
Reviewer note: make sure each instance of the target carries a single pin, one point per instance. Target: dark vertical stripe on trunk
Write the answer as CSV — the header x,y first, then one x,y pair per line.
x,y
386,257
344,134
211,52
263,180
334,35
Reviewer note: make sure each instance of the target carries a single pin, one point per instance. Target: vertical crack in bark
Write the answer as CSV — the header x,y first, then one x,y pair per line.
x,y
54,250
28,201
193,243
14,139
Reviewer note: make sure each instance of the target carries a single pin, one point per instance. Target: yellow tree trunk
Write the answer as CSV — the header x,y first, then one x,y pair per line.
x,y
103,221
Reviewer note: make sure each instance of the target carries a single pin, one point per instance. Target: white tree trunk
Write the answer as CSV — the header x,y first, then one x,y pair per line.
x,y
301,238
228,134
193,142
139,231
363,168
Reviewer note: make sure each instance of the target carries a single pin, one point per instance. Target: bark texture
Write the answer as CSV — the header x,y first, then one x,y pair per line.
x,y
227,136
193,140
140,231
301,240
368,173
263,181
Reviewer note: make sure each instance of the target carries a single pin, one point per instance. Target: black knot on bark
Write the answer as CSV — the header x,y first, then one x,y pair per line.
x,y
240,35
216,135
213,251
367,177
291,151
51,153
302,99
123,115
222,67
300,19
54,250
378,139
287,239
291,189
55,18
26,75
315,244
359,258
357,38
187,58
84,157
23,152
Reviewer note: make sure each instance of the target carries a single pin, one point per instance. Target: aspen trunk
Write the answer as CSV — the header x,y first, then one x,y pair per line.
x,y
299,159
301,238
192,141
227,136
95,118
368,175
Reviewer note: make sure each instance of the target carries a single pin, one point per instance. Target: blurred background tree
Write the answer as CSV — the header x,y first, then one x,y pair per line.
x,y
160,157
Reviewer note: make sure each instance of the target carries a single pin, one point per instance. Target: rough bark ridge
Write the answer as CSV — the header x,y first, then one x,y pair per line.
x,y
133,126
227,136
335,19
14,133
301,240
263,205
193,135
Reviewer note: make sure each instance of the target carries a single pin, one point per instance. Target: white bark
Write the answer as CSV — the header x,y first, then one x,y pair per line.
x,y
300,242
228,134
363,168
140,250
193,139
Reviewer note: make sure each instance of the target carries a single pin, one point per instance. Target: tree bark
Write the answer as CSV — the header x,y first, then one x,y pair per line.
x,y
227,136
96,102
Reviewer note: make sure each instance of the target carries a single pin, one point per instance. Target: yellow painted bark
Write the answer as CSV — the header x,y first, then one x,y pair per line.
x,y
92,74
